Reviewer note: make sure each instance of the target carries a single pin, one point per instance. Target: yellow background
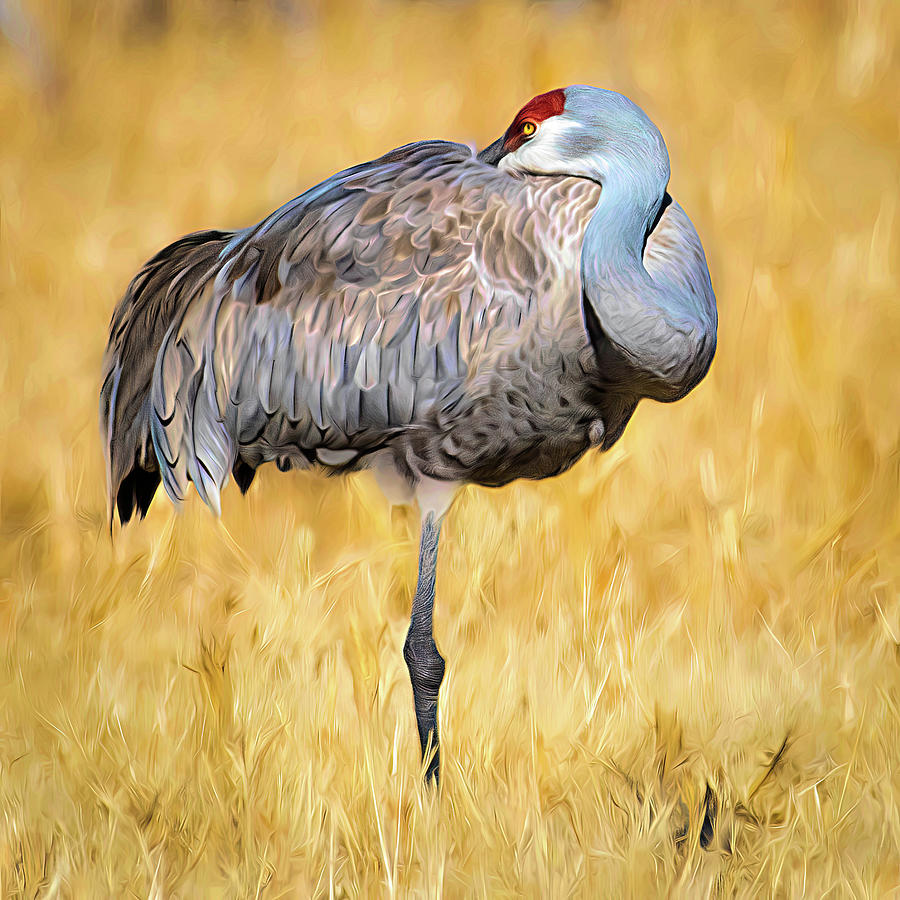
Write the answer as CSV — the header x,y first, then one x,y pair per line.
x,y
700,626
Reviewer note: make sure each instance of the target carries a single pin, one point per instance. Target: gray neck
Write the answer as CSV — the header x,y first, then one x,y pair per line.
x,y
651,317
628,205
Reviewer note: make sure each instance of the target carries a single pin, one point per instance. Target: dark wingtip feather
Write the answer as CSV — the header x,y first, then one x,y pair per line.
x,y
136,493
243,475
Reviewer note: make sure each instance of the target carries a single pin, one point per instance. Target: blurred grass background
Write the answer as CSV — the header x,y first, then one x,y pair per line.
x,y
673,671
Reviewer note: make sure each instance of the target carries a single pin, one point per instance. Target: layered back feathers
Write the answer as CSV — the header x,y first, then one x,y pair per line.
x,y
335,322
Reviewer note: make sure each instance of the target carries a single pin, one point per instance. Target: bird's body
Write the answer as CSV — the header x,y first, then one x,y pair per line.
x,y
444,317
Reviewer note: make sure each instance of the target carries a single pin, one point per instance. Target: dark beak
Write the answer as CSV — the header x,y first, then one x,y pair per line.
x,y
493,154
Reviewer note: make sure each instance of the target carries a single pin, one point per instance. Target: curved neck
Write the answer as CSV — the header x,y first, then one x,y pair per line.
x,y
651,315
628,205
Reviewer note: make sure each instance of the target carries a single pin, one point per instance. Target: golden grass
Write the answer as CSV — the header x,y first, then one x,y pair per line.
x,y
672,672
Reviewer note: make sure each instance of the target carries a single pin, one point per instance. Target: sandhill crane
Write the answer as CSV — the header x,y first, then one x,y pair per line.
x,y
438,316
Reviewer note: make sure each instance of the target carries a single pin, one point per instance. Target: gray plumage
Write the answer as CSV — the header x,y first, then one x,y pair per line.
x,y
452,317
425,302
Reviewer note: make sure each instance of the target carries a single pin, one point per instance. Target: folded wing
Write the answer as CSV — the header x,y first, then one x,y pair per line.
x,y
340,318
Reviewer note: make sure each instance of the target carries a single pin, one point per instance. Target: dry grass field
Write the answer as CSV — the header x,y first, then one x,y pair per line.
x,y
674,671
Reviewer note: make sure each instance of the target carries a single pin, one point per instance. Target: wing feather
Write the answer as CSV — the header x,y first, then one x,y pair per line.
x,y
339,320
324,317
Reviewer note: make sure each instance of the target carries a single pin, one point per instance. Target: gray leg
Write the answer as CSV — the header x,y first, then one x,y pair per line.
x,y
425,664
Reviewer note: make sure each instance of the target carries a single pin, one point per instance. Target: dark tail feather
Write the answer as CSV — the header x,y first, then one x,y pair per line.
x,y
136,492
156,298
243,475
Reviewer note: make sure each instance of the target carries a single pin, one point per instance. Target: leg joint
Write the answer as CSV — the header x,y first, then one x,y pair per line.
x,y
425,663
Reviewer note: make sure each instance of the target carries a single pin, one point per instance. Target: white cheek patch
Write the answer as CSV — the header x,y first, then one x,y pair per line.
x,y
549,152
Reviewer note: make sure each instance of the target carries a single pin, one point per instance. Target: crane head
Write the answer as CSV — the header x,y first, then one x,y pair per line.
x,y
586,132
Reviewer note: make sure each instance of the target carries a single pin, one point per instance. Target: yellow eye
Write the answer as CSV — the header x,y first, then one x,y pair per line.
x,y
529,129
